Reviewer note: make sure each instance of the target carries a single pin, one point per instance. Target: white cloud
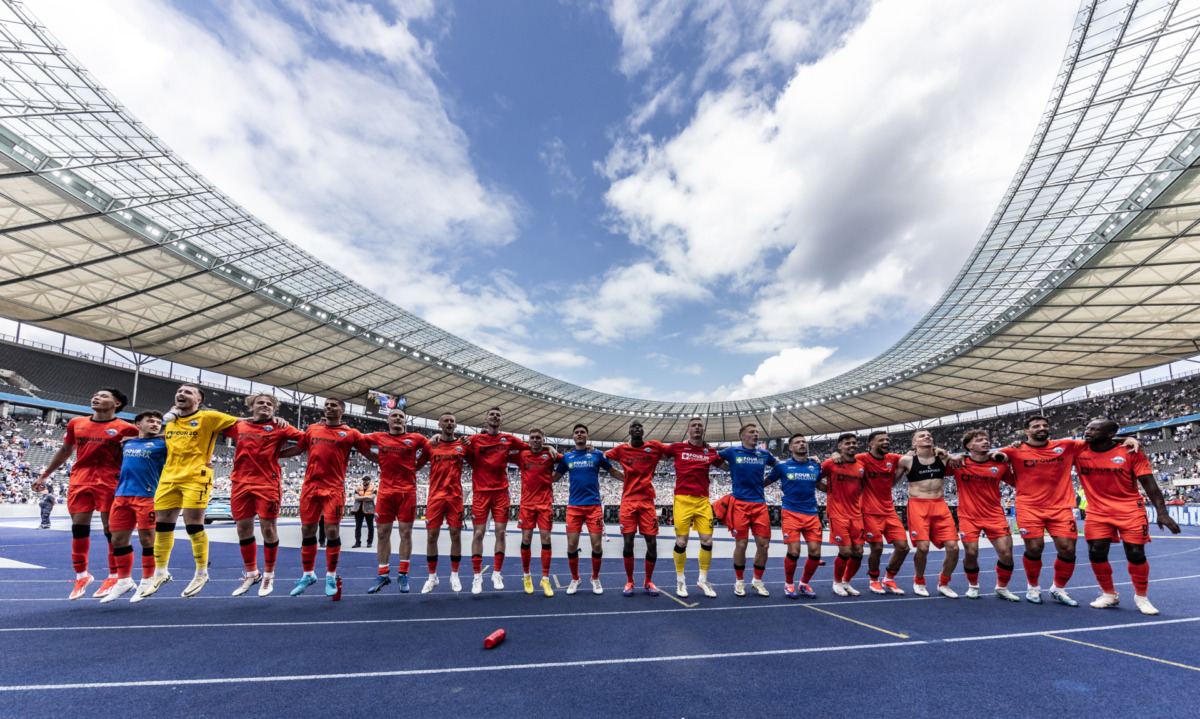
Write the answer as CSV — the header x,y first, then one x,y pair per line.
x,y
791,369
623,386
554,156
643,25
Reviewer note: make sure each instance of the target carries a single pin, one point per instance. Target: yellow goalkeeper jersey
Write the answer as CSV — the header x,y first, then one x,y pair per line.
x,y
190,442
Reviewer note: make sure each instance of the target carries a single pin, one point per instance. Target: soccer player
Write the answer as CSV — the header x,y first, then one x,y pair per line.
x,y
638,460
1110,475
798,477
400,454
929,519
584,507
445,499
96,442
323,492
537,506
1045,500
748,511
843,482
880,522
257,488
693,459
978,477
142,460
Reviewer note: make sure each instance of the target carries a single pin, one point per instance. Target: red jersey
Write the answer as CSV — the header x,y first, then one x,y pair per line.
x,y
97,450
1109,481
445,468
1043,474
691,467
639,464
537,470
489,466
878,477
845,482
329,453
979,488
256,457
400,456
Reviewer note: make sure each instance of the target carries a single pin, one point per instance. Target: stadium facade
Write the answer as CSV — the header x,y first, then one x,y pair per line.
x,y
1086,271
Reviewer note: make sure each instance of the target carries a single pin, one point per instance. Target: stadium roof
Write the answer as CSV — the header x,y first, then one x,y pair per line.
x,y
1086,271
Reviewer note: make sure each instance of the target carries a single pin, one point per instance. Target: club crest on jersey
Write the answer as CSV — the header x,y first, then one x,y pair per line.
x,y
994,470
458,449
887,465
503,440
110,432
1058,450
1118,460
1024,531
408,442
341,434
194,423
838,538
268,427
646,450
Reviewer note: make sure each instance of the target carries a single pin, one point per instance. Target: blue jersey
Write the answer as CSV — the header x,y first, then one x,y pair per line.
x,y
142,461
799,484
583,468
747,470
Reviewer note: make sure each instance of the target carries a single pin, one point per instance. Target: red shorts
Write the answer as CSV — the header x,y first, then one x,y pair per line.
x,y
535,517
247,502
797,526
746,518
639,517
845,531
881,528
1128,528
969,528
317,504
396,507
494,501
1033,523
929,520
449,509
131,513
592,515
89,498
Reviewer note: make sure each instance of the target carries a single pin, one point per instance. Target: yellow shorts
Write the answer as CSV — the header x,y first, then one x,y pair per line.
x,y
692,512
185,494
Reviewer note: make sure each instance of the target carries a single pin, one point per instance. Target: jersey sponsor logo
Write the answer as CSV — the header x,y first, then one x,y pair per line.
x,y
1044,460
693,457
749,460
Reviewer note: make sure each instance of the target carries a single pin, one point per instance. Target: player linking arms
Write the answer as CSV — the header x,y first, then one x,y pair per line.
x,y
638,460
142,460
929,519
798,477
843,482
537,506
445,500
978,478
748,507
880,522
693,459
400,455
584,506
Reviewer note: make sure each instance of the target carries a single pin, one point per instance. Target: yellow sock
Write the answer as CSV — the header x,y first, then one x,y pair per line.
x,y
705,559
680,559
163,542
200,550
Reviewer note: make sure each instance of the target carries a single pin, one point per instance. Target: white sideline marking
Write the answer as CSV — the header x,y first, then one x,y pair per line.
x,y
563,664
14,564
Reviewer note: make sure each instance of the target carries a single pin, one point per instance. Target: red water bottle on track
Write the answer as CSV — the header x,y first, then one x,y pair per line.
x,y
494,638
338,597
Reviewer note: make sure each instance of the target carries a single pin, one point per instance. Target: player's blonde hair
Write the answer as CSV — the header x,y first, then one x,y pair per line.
x,y
251,399
746,427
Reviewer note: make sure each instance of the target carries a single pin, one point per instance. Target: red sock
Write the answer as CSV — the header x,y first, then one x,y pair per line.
x,y
250,556
629,569
545,562
431,562
810,568
477,563
839,567
852,565
890,575
873,575
454,562
147,562
1033,570
270,553
573,563
943,580
596,567
308,557
331,557
649,570
789,569
526,559
918,580
1103,572
112,559
740,572
79,553
1062,572
385,570
497,562
1002,575
1140,574
124,565
972,578
404,567
758,572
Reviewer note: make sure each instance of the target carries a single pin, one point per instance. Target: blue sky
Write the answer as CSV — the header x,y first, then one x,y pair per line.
x,y
696,200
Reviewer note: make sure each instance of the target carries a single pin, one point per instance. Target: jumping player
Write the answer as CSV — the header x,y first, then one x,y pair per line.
x,y
748,511
445,500
257,490
96,442
798,477
978,477
693,459
142,460
584,507
1110,475
843,482
537,506
880,522
401,454
929,519
638,460
323,493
